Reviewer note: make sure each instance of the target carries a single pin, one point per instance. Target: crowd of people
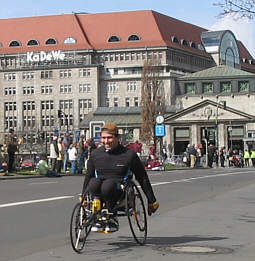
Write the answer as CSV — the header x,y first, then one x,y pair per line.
x,y
66,156
219,157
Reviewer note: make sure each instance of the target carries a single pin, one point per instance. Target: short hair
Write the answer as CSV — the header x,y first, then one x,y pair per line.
x,y
110,127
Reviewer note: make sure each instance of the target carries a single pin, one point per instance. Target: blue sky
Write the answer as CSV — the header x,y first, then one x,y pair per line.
x,y
199,12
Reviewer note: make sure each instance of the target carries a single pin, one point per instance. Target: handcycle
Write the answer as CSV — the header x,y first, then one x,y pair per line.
x,y
84,215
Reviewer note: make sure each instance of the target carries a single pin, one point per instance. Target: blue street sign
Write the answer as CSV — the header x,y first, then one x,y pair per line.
x,y
160,130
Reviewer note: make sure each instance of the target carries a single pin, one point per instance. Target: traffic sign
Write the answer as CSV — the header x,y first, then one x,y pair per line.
x,y
160,130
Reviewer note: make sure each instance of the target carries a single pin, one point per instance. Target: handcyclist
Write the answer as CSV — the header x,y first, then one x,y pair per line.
x,y
107,168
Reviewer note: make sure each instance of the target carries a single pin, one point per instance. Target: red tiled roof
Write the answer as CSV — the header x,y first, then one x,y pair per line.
x,y
93,30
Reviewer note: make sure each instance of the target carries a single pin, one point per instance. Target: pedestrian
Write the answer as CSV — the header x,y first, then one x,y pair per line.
x,y
246,158
73,156
192,152
222,156
44,168
198,156
12,147
211,154
66,143
60,155
152,152
81,154
54,153
253,157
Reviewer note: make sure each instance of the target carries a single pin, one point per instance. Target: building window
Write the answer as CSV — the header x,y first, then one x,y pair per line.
x,y
28,106
190,88
28,75
136,102
243,86
115,102
66,88
48,120
65,104
114,38
112,87
10,76
85,103
46,74
15,44
70,40
207,87
86,87
28,121
134,37
47,105
51,41
65,74
84,72
32,42
225,87
10,122
127,102
131,87
10,91
28,90
47,89
10,106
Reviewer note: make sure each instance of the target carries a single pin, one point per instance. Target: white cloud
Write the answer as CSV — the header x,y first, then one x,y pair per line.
x,y
243,29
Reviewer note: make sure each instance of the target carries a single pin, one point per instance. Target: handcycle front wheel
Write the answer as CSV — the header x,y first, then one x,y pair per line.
x,y
136,213
80,227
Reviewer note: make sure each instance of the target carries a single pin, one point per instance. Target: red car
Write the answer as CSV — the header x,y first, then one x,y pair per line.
x,y
27,163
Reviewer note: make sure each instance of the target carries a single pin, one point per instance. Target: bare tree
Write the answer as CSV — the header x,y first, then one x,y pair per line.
x,y
239,8
152,99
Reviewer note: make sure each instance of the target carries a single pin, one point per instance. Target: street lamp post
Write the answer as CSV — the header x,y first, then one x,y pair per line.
x,y
230,133
223,105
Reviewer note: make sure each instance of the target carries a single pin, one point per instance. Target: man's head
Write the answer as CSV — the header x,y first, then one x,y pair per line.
x,y
110,135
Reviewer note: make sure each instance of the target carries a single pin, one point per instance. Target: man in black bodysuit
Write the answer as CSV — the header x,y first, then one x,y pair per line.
x,y
106,169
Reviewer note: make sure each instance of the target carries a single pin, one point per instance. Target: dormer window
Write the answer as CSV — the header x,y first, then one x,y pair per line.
x,y
174,39
32,42
114,38
192,44
1,45
184,42
51,41
69,40
15,44
134,37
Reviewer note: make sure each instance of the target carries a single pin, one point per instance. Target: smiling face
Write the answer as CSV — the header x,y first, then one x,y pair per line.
x,y
109,140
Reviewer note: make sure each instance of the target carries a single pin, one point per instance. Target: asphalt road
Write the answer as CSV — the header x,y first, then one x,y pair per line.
x,y
209,213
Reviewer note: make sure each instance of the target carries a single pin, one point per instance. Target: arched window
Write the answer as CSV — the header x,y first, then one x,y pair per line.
x,y
114,38
51,41
69,40
14,43
32,42
174,39
184,42
134,37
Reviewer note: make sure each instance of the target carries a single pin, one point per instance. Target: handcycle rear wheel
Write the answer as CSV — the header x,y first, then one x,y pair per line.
x,y
136,213
80,226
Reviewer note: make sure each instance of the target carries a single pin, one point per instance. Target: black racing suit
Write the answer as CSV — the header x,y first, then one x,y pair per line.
x,y
111,167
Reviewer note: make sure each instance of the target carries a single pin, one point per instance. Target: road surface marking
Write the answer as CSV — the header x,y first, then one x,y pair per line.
x,y
202,177
33,201
42,183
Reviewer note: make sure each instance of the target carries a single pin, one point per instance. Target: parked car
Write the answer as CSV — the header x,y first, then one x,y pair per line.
x,y
27,163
